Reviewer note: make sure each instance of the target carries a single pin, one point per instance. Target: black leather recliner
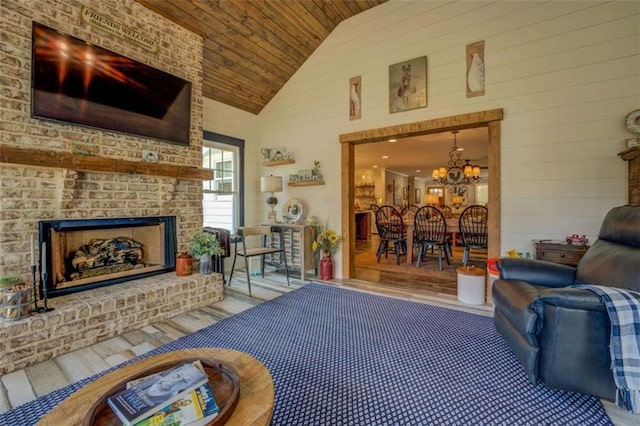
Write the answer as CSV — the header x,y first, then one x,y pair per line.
x,y
560,334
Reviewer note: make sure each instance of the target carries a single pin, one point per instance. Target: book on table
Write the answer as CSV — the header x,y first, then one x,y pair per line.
x,y
196,408
149,396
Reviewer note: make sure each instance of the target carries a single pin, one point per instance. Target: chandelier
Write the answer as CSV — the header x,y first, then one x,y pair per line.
x,y
458,173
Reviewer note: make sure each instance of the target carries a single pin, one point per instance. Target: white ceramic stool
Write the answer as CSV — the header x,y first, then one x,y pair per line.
x,y
471,285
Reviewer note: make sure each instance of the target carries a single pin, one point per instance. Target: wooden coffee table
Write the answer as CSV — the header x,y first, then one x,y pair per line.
x,y
255,404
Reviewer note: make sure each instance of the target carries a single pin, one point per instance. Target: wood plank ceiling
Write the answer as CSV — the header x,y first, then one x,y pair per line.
x,y
252,47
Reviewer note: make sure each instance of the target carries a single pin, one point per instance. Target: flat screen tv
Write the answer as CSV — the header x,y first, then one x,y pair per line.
x,y
76,82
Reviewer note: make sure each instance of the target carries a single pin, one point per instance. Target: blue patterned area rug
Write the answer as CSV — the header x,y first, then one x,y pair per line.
x,y
339,356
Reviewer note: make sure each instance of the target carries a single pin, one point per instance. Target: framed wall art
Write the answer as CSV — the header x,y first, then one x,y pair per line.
x,y
355,98
475,69
408,85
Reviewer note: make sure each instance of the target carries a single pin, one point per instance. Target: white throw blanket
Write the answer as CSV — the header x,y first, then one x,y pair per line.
x,y
623,307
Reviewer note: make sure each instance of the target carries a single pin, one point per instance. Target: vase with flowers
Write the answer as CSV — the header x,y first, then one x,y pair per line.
x,y
326,242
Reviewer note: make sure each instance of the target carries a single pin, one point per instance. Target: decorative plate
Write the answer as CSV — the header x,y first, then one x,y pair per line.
x,y
633,121
292,210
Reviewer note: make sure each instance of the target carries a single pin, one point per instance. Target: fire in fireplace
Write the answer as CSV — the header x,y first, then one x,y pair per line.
x,y
80,254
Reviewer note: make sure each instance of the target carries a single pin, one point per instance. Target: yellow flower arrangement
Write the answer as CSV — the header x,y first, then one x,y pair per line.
x,y
325,239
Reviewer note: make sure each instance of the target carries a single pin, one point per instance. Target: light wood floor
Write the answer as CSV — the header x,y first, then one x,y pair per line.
x,y
21,386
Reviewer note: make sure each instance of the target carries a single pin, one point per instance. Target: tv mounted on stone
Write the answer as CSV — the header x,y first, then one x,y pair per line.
x,y
76,82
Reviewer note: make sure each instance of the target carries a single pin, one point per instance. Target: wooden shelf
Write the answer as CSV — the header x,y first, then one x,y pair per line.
x,y
94,163
307,183
272,163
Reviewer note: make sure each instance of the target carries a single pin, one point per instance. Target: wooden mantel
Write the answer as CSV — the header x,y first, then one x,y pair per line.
x,y
41,158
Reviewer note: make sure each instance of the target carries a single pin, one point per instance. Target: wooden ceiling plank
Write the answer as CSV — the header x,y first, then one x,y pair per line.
x,y
258,71
320,15
295,14
237,99
224,77
222,44
176,14
353,7
336,7
239,35
326,7
242,92
269,18
266,29
257,94
341,8
222,82
252,47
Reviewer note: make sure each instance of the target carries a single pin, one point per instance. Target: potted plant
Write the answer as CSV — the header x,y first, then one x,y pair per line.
x,y
9,282
203,246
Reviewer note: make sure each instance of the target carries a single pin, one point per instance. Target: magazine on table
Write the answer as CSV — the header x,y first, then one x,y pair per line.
x,y
147,397
198,407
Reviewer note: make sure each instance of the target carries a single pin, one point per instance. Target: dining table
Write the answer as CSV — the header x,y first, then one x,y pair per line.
x,y
452,226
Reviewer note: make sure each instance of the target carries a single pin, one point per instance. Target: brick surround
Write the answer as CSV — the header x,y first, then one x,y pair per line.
x,y
29,194
81,319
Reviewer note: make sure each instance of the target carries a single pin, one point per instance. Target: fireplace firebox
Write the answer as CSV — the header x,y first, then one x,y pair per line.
x,y
81,254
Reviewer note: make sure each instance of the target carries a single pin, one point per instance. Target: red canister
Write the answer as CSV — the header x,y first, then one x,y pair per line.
x,y
184,265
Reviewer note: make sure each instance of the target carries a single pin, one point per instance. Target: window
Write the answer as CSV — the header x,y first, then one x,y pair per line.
x,y
482,194
222,200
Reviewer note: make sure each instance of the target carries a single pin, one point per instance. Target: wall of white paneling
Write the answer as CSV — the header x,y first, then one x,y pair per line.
x,y
565,73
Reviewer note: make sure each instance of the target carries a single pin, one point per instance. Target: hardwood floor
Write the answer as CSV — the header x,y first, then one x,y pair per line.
x,y
22,386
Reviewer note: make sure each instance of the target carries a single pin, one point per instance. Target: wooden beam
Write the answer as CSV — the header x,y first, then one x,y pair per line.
x,y
493,204
348,211
64,160
438,125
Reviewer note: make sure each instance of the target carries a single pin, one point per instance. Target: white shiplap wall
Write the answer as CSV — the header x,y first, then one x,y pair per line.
x,y
565,73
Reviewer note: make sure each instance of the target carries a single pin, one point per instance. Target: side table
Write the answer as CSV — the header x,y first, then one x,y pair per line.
x,y
559,252
254,407
471,285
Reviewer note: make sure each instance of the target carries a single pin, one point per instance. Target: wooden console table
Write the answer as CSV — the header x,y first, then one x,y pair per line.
x,y
558,252
255,405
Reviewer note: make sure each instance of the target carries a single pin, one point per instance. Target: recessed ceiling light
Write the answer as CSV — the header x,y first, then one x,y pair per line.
x,y
460,149
393,140
375,166
385,156
418,171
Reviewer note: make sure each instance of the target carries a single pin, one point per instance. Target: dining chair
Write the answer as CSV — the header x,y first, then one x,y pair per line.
x,y
431,233
408,213
409,210
448,214
224,236
254,243
473,224
391,230
446,211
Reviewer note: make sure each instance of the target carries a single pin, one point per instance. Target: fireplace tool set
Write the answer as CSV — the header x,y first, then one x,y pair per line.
x,y
43,278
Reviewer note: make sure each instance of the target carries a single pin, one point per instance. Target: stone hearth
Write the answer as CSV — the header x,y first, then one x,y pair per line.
x,y
84,318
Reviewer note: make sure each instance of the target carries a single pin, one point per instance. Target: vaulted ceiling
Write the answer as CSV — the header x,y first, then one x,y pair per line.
x,y
252,47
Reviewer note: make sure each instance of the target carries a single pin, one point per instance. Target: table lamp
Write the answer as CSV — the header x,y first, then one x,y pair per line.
x,y
431,199
457,201
271,184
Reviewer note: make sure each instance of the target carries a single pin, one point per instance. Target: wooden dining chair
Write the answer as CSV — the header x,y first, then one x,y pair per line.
x,y
431,233
254,243
448,214
391,230
473,225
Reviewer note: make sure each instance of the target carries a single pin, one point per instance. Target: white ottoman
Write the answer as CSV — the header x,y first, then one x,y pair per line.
x,y
471,285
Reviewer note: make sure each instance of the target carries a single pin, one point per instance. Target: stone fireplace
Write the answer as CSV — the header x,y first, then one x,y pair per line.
x,y
89,253
54,174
